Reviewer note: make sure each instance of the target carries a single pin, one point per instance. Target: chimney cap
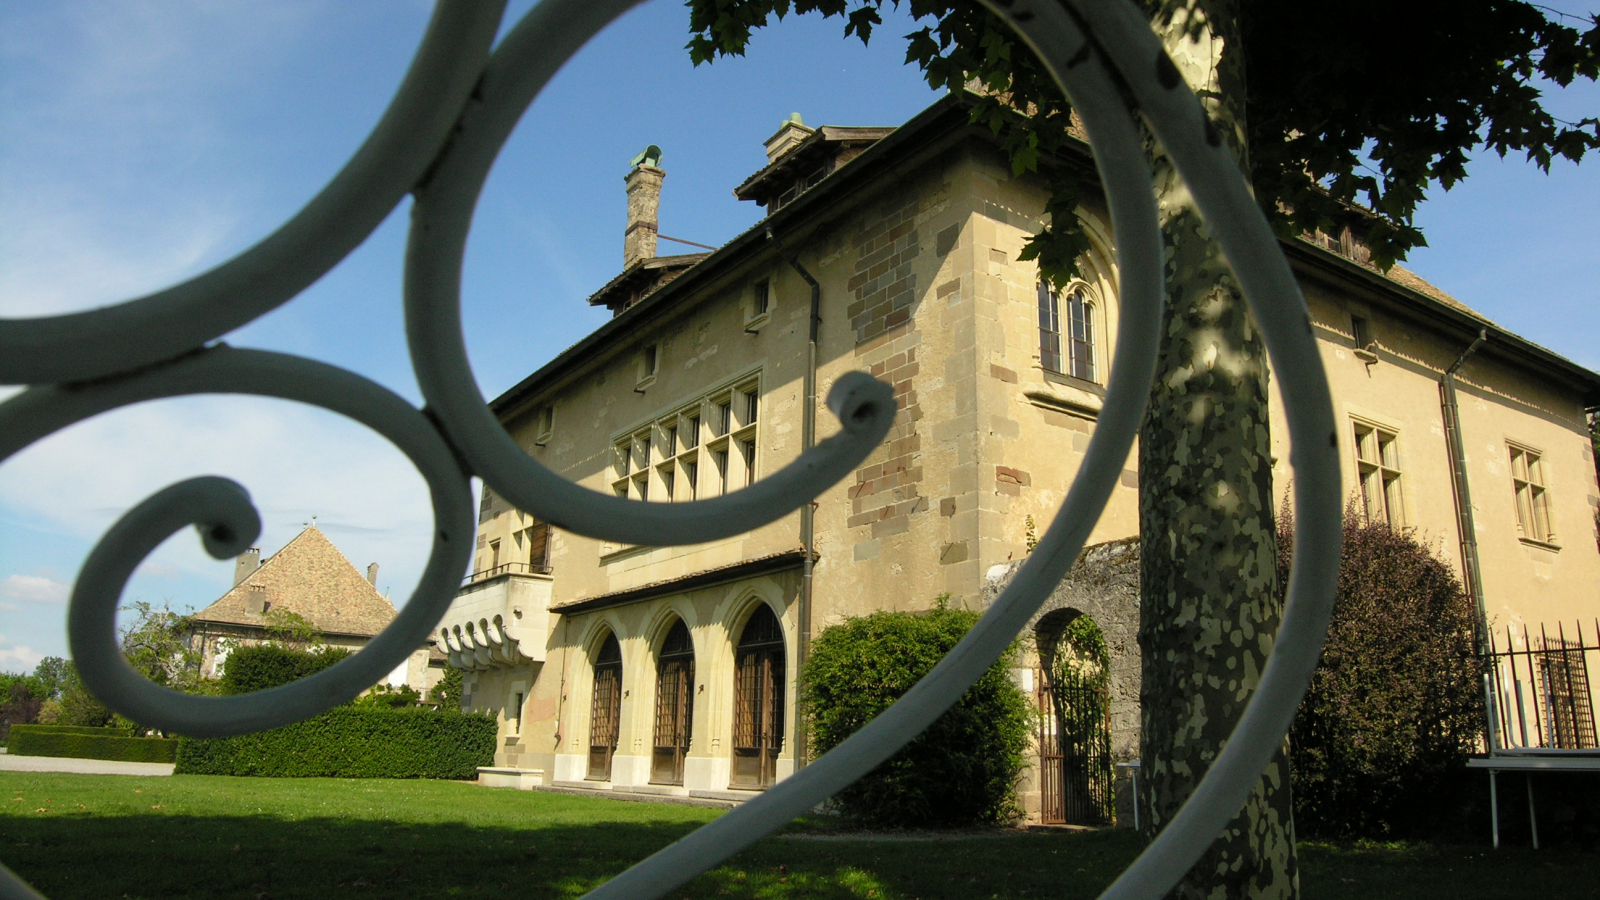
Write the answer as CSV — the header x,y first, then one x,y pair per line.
x,y
649,156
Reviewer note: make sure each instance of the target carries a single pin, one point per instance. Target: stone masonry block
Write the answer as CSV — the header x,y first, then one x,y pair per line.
x,y
953,553
888,527
1008,475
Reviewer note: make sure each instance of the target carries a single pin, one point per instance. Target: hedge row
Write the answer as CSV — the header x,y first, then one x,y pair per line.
x,y
351,742
72,729
89,743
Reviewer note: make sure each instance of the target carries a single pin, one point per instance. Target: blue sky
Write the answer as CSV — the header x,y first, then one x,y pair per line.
x,y
144,143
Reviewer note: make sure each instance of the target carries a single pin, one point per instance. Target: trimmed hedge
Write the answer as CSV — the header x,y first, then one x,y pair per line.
x,y
73,729
261,667
352,742
80,742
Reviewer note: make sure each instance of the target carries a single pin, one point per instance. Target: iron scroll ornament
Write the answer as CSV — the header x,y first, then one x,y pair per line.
x,y
1092,47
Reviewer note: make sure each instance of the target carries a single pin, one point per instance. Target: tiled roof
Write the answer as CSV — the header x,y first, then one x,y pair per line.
x,y
311,578
1404,276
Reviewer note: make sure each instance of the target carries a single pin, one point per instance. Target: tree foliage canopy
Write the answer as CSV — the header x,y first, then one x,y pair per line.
x,y
1367,103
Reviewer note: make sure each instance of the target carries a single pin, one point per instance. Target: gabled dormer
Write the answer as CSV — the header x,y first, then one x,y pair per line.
x,y
799,156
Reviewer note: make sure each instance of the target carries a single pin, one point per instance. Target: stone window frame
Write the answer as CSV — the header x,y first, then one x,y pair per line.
x,y
1056,346
1377,458
665,459
756,315
544,424
1530,488
649,365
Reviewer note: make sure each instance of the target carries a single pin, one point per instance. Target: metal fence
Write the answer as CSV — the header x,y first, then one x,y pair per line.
x,y
1541,687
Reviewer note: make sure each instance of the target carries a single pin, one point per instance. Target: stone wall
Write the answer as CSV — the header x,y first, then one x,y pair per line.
x,y
1104,585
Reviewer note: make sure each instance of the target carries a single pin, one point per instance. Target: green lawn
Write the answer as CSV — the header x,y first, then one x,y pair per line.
x,y
89,836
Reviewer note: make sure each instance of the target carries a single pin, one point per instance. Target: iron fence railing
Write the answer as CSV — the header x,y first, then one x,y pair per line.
x,y
1543,698
510,568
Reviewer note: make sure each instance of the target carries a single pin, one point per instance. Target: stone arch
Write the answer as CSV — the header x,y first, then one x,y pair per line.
x,y
1074,740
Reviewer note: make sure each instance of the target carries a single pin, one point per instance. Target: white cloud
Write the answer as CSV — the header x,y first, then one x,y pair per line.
x,y
17,658
33,589
119,175
296,461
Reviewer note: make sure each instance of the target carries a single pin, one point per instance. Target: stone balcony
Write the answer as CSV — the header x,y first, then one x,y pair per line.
x,y
500,618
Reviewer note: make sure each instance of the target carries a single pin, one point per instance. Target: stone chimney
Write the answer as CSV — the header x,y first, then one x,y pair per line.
x,y
372,574
790,133
246,563
644,205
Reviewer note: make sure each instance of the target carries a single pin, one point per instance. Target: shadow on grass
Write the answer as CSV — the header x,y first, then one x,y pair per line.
x,y
263,856
205,837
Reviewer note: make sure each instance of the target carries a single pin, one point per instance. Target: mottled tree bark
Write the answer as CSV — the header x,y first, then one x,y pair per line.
x,y
1208,597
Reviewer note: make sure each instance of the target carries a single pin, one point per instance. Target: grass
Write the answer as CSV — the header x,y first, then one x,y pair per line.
x,y
82,836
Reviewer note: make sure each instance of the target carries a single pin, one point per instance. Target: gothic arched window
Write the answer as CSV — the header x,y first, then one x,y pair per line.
x,y
1066,335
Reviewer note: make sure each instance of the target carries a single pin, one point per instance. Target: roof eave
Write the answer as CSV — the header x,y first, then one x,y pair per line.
x,y
1501,342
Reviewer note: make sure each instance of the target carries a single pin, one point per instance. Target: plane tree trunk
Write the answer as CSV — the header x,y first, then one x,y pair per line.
x,y
1209,605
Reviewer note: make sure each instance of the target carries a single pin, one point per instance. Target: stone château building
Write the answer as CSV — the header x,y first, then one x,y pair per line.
x,y
671,670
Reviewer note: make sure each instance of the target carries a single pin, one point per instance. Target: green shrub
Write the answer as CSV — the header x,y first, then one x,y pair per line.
x,y
89,743
447,693
1396,703
263,666
961,771
352,742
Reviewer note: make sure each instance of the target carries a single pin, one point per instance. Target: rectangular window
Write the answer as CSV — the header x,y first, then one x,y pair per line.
x,y
1533,504
691,474
515,719
1080,318
649,362
1378,470
1361,332
669,440
761,299
691,438
721,417
544,425
752,406
719,461
747,449
1564,682
669,479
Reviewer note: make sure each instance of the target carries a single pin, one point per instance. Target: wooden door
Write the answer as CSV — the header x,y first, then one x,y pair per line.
x,y
759,701
674,706
605,712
